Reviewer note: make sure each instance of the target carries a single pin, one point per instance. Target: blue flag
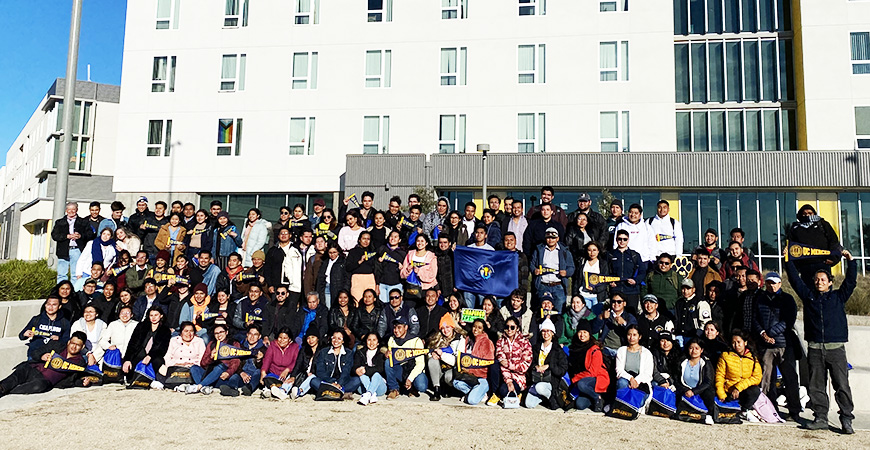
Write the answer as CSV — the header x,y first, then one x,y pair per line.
x,y
485,271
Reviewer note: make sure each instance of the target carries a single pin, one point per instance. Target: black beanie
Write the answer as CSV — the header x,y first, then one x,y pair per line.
x,y
584,324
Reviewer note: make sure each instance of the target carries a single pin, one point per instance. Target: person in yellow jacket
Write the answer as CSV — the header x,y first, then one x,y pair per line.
x,y
738,373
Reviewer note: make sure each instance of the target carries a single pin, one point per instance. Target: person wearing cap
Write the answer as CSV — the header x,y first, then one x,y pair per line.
x,y
150,227
318,207
772,325
549,365
546,314
711,248
398,307
652,321
552,266
597,226
692,313
227,239
138,218
444,344
639,233
257,272
614,220
703,273
628,265
175,302
535,232
663,282
408,374
814,231
666,233
666,357
71,233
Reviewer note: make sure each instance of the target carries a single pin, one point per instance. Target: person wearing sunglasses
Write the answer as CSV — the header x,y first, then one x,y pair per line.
x,y
328,225
318,208
628,265
614,322
514,355
282,222
663,282
639,233
279,313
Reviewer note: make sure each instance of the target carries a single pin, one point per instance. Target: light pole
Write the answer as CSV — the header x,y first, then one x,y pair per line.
x,y
483,148
69,101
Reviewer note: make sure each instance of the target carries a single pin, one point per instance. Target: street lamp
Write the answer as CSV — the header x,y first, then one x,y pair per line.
x,y
483,148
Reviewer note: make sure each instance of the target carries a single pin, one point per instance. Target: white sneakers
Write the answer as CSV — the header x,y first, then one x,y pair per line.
x,y
206,390
181,388
156,385
192,389
294,393
373,398
278,393
266,393
364,400
708,419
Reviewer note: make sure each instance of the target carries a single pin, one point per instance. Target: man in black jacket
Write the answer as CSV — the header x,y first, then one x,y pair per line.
x,y
279,313
534,234
38,377
430,314
814,231
71,233
312,315
45,327
138,218
444,255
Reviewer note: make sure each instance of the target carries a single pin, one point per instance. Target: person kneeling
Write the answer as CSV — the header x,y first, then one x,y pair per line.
x,y
38,377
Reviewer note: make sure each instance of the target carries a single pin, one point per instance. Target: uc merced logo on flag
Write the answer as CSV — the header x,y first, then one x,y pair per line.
x,y
485,271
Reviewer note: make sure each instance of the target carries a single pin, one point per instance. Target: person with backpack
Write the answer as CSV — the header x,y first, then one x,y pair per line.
x,y
666,233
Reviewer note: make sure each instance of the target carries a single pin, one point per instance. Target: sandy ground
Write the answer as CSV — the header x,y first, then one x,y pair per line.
x,y
111,417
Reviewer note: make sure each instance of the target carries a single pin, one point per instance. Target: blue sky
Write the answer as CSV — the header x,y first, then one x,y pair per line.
x,y
34,54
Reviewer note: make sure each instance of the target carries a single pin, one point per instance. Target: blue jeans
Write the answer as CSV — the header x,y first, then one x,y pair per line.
x,y
351,385
327,296
587,396
303,387
395,381
472,300
384,296
558,295
236,379
65,266
475,394
376,384
538,392
211,378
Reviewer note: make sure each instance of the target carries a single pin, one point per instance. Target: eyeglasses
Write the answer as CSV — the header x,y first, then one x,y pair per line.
x,y
395,297
217,332
617,301
664,263
281,293
511,327
285,213
621,239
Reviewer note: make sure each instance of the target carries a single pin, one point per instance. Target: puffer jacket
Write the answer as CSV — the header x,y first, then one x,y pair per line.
x,y
736,371
257,239
774,315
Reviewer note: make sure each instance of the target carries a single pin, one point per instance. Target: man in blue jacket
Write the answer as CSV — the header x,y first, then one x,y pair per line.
x,y
826,332
552,266
626,264
47,326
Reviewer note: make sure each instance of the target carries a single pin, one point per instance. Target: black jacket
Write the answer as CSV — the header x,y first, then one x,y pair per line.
x,y
360,360
139,340
61,229
339,279
538,319
596,225
444,277
337,320
707,381
277,317
775,315
825,312
558,366
534,234
429,320
320,322
666,367
138,218
363,322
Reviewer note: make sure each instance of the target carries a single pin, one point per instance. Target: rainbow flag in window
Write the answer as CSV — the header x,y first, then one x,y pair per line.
x,y
225,131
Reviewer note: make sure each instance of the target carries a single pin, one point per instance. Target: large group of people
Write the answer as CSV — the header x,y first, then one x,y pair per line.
x,y
365,302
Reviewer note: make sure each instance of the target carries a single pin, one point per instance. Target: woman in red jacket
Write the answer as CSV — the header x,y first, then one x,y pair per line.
x,y
586,366
472,382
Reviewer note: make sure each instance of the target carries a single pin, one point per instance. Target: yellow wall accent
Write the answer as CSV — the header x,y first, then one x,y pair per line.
x,y
674,199
799,89
829,208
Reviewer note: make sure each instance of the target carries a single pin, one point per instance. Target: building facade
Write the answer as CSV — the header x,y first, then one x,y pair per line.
x,y
29,175
736,105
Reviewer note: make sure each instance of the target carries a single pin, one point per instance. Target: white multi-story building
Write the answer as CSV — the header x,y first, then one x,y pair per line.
x,y
29,175
266,103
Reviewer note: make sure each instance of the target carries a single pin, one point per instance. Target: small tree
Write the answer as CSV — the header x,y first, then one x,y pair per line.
x,y
604,202
427,198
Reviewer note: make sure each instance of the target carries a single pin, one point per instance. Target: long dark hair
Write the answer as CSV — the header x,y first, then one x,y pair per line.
x,y
750,344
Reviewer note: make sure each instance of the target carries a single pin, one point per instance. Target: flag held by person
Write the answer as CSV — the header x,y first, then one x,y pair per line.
x,y
485,272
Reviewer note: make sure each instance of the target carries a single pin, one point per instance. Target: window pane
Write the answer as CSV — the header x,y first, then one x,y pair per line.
x,y
526,57
789,133
862,120
388,67
448,128
717,131
697,19
860,46
768,73
681,17
865,219
717,72
709,211
371,128
228,66
750,69
734,74
623,60
749,220
625,131
771,130
300,64
749,14
787,211
608,55
373,62
769,230
609,147
155,132
753,130
167,144
699,128
609,125
525,126
727,216
714,16
238,208
684,132
732,16
766,12
681,70
689,220
735,131
784,13
270,205
297,129
786,70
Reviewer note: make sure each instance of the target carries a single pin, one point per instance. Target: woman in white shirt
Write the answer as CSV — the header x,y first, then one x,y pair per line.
x,y
634,363
94,328
349,235
118,333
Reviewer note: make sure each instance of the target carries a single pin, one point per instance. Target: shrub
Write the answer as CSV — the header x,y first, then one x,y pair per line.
x,y
26,280
858,304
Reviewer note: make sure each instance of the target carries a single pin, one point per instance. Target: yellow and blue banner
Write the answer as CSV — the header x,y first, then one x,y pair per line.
x,y
593,279
485,272
401,355
798,251
226,351
468,361
57,362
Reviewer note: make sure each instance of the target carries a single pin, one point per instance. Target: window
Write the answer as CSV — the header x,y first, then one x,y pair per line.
x,y
531,133
454,9
380,11
862,126
167,14
453,61
860,53
613,5
236,13
533,7
530,68
229,140
306,12
731,16
378,68
767,129
159,137
233,72
376,135
304,70
747,70
163,74
614,131
451,134
81,135
614,61
301,135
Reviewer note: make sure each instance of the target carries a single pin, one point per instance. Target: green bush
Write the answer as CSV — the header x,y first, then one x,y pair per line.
x,y
26,280
858,304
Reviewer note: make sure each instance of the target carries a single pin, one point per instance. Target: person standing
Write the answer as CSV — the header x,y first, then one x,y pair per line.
x,y
814,231
552,266
827,331
71,233
666,233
